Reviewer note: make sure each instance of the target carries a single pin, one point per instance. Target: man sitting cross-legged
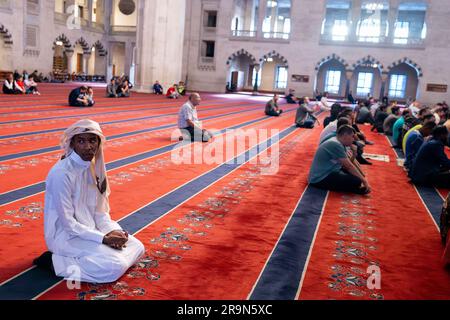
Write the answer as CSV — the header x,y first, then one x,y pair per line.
x,y
333,170
188,122
272,108
79,232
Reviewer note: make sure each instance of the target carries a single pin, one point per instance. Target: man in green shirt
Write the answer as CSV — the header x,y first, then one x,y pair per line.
x,y
332,169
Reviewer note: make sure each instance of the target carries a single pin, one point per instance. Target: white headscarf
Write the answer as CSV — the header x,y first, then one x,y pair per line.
x,y
89,126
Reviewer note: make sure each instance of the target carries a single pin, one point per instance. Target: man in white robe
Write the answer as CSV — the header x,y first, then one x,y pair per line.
x,y
80,235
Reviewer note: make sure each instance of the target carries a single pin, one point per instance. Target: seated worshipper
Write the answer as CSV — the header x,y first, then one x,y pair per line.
x,y
432,166
157,88
78,97
389,122
188,122
414,109
364,115
181,88
90,96
20,86
380,116
344,121
111,89
418,125
272,108
334,113
123,91
325,105
439,114
290,98
374,105
172,93
78,228
304,117
350,98
8,85
332,169
415,140
331,128
31,86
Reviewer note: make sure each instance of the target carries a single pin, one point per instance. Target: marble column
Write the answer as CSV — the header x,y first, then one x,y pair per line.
x,y
160,43
355,16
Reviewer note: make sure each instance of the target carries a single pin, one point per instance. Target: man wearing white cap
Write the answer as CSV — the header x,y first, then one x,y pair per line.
x,y
79,232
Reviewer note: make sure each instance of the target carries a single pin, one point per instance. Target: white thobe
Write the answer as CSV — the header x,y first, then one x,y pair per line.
x,y
329,129
74,230
324,104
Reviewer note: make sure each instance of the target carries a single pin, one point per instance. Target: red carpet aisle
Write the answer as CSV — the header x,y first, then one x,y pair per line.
x,y
390,229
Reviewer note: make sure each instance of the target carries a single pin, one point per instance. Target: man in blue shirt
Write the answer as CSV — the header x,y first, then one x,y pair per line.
x,y
415,140
332,169
432,166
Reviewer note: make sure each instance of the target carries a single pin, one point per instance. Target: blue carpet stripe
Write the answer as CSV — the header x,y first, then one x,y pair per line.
x,y
25,134
35,281
281,276
40,187
111,112
122,135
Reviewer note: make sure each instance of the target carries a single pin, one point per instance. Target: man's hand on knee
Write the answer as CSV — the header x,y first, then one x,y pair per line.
x,y
116,239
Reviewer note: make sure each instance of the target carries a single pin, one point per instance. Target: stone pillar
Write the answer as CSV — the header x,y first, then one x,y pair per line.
x,y
262,15
392,19
384,80
129,48
355,16
90,8
69,56
255,85
348,79
86,58
160,42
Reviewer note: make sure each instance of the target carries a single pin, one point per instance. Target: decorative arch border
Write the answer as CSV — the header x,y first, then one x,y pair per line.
x,y
241,52
6,35
368,60
101,49
274,54
329,58
409,62
84,45
66,43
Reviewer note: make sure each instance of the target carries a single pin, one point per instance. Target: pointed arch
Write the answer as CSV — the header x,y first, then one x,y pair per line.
x,y
84,45
241,52
100,48
329,58
369,61
65,41
274,54
6,35
409,62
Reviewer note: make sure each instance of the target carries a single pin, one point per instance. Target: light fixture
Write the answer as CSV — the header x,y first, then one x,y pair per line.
x,y
59,43
93,49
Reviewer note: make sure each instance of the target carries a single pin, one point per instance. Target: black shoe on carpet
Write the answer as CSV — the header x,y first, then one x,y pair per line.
x,y
363,161
45,261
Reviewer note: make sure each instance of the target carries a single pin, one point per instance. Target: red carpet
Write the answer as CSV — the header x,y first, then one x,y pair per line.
x,y
217,242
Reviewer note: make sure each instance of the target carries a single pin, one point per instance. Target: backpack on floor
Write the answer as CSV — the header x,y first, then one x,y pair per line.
x,y
445,220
